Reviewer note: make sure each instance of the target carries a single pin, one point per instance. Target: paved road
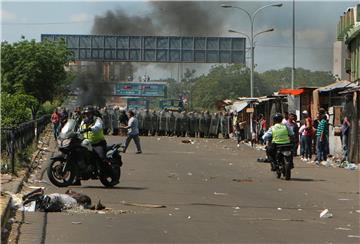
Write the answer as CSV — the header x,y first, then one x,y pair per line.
x,y
213,192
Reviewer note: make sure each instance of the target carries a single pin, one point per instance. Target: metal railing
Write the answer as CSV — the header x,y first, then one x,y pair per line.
x,y
14,139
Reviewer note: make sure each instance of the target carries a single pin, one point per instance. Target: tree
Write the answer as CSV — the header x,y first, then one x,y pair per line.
x,y
34,68
15,109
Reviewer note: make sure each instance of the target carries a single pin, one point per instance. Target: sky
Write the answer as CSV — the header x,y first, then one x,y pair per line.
x,y
315,26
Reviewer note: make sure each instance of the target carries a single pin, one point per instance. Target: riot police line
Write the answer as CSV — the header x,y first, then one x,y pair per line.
x,y
170,123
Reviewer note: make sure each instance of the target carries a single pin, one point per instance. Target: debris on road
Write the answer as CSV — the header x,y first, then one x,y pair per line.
x,y
189,174
220,194
326,214
189,217
342,228
353,236
76,222
145,205
188,141
344,199
263,160
243,180
279,209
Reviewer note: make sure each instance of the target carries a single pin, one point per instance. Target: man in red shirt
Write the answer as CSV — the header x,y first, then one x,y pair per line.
x,y
55,120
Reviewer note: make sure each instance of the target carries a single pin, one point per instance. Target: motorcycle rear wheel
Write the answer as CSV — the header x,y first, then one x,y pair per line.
x,y
57,176
111,181
287,169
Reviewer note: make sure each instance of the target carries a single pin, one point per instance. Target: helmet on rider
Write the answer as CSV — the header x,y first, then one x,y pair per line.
x,y
277,118
89,113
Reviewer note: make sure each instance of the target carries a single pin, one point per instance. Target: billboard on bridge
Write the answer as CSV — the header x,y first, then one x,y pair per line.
x,y
140,89
165,49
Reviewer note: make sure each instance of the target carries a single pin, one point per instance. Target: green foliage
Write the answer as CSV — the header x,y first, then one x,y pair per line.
x,y
233,81
48,107
34,68
32,73
276,79
14,109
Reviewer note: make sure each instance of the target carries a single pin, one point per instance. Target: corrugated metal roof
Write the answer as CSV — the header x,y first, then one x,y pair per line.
x,y
239,106
337,85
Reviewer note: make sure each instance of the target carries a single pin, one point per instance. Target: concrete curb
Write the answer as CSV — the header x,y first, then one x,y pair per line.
x,y
17,186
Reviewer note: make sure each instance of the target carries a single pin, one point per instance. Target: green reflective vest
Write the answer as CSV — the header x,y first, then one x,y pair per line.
x,y
280,134
93,137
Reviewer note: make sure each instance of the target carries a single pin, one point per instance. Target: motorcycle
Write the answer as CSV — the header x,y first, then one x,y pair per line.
x,y
78,161
284,160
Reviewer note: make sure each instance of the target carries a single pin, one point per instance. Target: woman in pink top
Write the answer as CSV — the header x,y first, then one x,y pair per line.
x,y
306,132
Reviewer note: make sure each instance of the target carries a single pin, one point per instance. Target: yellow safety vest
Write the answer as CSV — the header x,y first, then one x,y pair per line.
x,y
93,137
280,134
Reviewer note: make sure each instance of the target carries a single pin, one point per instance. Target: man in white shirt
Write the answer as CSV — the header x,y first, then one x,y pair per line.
x,y
133,132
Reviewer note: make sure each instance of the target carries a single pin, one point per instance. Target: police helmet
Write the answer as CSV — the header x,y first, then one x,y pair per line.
x,y
89,109
277,118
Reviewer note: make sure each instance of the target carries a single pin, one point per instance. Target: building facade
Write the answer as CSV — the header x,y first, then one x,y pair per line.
x,y
347,46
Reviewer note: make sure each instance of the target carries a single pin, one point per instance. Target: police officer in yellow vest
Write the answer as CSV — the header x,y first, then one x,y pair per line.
x,y
92,128
278,134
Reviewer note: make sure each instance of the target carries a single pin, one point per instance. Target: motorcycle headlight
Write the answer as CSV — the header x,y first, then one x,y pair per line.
x,y
65,142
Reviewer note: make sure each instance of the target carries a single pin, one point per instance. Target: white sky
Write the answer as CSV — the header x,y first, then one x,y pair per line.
x,y
315,26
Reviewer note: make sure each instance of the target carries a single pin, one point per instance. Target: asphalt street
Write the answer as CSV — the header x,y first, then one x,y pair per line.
x,y
207,192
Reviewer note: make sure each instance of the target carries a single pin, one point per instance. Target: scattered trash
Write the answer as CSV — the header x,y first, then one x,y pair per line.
x,y
101,212
326,214
342,228
237,208
230,164
189,174
351,166
159,139
33,187
325,163
145,205
165,231
279,189
11,220
263,160
188,141
98,206
279,209
173,175
189,217
344,199
170,214
353,236
30,207
358,211
76,223
299,209
220,194
176,209
242,180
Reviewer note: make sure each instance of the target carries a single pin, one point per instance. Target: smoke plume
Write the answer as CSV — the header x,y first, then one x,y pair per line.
x,y
164,18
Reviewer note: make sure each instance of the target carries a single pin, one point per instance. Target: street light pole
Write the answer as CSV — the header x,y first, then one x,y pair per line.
x,y
252,18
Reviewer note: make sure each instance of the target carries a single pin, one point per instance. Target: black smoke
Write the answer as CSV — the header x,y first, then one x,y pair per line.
x,y
164,18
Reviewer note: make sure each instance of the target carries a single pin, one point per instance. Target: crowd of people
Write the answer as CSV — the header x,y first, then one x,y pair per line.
x,y
310,135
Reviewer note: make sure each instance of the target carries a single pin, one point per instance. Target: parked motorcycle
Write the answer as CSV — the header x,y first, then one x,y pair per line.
x,y
78,160
284,160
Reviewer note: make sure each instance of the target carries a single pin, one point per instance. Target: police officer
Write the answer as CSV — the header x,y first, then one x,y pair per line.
x,y
92,129
278,134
